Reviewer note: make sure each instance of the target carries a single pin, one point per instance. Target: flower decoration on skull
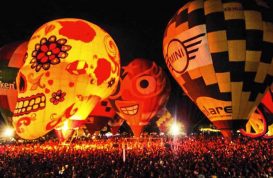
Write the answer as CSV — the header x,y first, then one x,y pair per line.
x,y
49,51
57,97
142,91
73,65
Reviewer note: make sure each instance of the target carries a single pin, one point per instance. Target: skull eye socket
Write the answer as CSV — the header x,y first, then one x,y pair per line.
x,y
77,67
21,83
146,85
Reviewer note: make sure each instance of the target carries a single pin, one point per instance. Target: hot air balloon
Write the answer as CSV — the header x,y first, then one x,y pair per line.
x,y
12,57
260,122
100,116
115,123
71,65
142,91
220,53
164,120
97,119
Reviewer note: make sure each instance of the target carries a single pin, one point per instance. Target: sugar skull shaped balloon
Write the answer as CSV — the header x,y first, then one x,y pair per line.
x,y
142,91
71,64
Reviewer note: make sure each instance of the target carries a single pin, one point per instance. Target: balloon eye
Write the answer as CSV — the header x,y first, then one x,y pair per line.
x,y
77,67
21,83
146,85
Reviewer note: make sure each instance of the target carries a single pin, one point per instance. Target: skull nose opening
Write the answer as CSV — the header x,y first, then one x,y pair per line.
x,y
22,83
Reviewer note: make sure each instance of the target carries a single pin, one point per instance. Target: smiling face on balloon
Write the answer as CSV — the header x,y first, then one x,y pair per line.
x,y
143,89
71,65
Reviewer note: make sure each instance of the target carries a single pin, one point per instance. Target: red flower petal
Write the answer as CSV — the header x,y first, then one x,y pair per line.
x,y
52,46
56,50
44,59
51,57
40,55
44,48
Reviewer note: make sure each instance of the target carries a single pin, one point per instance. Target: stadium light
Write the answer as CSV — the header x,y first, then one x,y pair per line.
x,y
8,132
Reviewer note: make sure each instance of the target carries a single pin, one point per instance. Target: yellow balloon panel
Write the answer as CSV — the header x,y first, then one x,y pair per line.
x,y
220,53
71,65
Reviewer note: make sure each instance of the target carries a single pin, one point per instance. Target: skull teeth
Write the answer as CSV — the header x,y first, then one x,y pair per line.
x,y
29,104
130,110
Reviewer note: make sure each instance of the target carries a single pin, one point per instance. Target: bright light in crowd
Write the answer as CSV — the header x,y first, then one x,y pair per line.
x,y
108,134
175,129
65,126
8,132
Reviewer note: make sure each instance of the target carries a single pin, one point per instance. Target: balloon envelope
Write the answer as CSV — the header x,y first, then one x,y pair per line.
x,y
12,57
142,91
260,122
220,53
71,65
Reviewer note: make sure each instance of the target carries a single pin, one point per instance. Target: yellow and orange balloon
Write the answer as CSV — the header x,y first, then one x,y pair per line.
x,y
71,65
220,53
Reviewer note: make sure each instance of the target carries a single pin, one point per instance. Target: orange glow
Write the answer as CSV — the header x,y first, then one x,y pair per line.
x,y
72,65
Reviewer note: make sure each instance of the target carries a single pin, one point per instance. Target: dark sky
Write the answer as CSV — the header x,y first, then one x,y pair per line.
x,y
136,26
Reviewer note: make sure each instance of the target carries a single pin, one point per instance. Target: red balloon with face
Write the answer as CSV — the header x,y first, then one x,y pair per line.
x,y
142,91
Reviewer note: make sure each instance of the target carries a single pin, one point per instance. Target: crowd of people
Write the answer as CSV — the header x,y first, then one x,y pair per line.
x,y
187,156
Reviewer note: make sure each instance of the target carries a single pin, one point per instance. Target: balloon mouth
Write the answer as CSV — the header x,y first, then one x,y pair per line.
x,y
29,104
22,123
130,110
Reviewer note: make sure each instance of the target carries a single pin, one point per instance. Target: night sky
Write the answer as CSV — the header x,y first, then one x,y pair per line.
x,y
136,26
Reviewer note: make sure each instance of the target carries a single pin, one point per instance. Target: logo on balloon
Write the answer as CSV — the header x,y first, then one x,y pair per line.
x,y
179,53
215,109
6,85
176,57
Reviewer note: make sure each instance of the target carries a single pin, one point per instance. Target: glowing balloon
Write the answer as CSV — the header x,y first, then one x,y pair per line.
x,y
96,120
66,131
11,59
260,122
142,91
220,53
71,65
115,124
100,116
164,121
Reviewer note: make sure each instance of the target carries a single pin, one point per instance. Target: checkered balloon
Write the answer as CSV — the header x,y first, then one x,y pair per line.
x,y
220,53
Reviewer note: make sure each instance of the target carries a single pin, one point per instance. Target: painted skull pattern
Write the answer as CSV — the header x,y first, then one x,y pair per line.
x,y
142,91
71,65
